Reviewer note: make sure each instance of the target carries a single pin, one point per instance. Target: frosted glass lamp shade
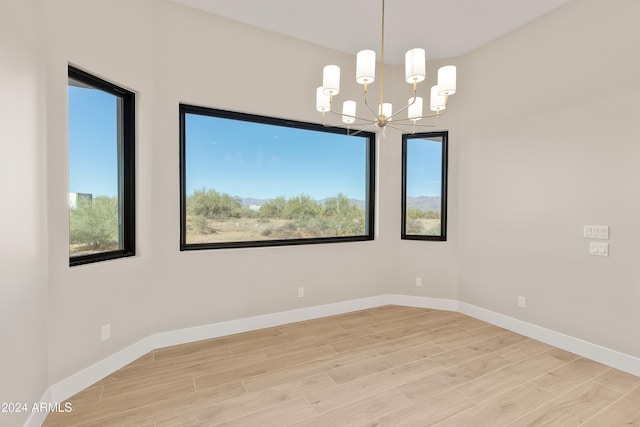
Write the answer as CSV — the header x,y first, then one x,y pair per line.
x,y
386,110
322,101
366,66
437,100
447,80
415,108
348,112
415,65
331,79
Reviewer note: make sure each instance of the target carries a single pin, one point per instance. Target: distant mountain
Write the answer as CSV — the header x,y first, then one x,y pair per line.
x,y
248,201
425,203
358,203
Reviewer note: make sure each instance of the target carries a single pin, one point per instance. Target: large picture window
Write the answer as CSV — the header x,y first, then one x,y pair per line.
x,y
250,180
101,169
424,186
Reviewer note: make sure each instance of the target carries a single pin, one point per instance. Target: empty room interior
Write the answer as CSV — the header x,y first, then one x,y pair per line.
x,y
531,270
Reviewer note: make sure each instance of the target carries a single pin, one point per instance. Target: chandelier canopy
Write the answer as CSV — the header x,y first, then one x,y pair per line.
x,y
383,116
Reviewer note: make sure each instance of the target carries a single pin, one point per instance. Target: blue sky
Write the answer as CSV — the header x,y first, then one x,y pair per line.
x,y
424,167
240,158
93,144
265,161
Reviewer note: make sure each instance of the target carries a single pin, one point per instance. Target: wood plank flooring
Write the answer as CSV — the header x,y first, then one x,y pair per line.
x,y
387,366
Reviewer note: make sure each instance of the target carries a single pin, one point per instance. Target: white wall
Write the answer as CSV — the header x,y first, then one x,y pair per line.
x,y
111,40
433,261
171,54
549,142
537,150
23,290
209,61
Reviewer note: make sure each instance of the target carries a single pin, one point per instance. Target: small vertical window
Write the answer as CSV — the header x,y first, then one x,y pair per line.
x,y
424,186
101,169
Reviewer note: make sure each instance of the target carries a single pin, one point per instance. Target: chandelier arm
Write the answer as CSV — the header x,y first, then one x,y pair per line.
x,y
361,130
395,127
426,125
368,121
415,125
408,105
369,124
437,115
430,125
366,102
428,116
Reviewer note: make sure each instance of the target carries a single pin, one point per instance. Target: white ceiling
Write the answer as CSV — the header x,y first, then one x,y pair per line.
x,y
445,28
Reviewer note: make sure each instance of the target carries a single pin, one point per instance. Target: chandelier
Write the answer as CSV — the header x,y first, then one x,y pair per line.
x,y
383,116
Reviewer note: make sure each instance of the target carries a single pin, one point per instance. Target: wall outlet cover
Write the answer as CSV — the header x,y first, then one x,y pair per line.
x,y
522,302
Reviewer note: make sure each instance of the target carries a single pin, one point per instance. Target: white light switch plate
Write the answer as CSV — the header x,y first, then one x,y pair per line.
x,y
596,231
598,248
603,232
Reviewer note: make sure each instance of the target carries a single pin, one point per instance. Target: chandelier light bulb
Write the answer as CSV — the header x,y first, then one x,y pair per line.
x,y
437,100
366,66
447,80
331,80
415,65
322,101
348,112
415,108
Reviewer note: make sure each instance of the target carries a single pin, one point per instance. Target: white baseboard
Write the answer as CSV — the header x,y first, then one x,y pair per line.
x,y
79,381
75,383
197,333
36,418
592,351
423,302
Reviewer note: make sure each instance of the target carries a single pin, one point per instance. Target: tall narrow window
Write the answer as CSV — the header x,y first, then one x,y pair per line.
x,y
101,169
424,186
251,180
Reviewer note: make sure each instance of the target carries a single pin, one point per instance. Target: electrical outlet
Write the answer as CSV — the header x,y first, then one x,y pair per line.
x,y
300,292
522,302
419,282
105,332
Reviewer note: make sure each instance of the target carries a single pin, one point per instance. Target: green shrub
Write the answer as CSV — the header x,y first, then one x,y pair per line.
x,y
210,204
433,231
414,226
93,224
301,207
201,225
343,217
273,208
416,213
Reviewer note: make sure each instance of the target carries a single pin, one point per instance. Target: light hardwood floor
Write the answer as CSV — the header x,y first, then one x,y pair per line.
x,y
386,366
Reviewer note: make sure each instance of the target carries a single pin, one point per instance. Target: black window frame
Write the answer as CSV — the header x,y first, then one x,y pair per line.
x,y
185,109
443,188
126,169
